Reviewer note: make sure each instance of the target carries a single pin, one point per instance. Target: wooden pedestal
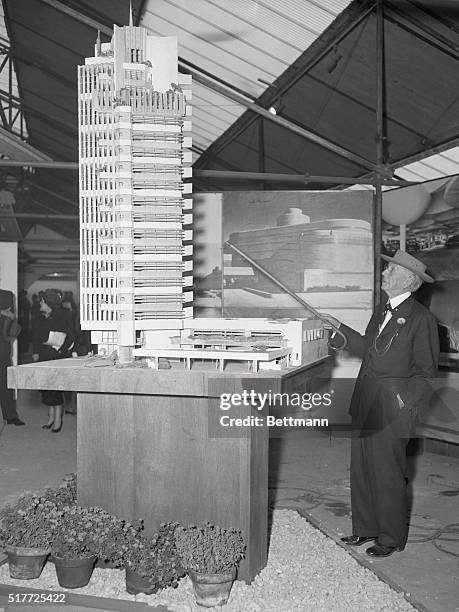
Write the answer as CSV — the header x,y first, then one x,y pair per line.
x,y
150,445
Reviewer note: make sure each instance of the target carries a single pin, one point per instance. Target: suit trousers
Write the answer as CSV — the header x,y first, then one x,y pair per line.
x,y
379,486
7,401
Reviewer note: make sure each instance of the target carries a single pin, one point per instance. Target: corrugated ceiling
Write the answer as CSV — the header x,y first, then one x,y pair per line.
x,y
314,59
246,44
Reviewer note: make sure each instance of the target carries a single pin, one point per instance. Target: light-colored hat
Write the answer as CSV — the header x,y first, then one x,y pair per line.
x,y
401,258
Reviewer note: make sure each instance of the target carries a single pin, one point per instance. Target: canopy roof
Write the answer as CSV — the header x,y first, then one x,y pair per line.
x,y
314,60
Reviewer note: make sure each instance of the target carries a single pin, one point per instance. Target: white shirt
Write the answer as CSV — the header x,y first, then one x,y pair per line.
x,y
394,302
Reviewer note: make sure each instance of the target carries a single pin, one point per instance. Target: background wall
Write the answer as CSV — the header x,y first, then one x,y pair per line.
x,y
9,275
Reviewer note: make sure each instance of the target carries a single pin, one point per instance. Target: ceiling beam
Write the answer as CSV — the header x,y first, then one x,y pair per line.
x,y
296,178
228,93
53,217
56,165
225,174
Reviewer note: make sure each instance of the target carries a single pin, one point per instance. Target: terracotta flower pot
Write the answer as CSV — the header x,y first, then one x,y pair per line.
x,y
212,589
26,563
74,573
136,583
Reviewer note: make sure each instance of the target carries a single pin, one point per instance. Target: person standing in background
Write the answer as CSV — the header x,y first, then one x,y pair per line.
x,y
24,321
54,337
9,331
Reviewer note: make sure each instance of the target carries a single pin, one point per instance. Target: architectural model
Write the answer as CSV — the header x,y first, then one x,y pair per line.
x,y
135,208
136,277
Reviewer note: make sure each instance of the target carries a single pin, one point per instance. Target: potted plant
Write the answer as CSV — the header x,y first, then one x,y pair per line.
x,y
210,555
153,564
62,495
27,530
75,545
114,538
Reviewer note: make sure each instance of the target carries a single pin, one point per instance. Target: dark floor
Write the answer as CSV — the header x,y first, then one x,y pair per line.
x,y
308,472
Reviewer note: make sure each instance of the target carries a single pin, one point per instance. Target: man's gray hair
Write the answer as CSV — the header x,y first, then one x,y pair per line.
x,y
413,281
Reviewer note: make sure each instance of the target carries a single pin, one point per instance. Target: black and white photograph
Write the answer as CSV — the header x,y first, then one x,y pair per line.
x,y
229,305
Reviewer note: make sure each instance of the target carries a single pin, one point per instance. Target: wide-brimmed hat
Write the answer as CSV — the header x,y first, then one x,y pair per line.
x,y
53,297
401,258
6,299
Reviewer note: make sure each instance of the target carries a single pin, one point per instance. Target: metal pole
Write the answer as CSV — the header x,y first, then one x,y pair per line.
x,y
39,216
261,148
10,90
380,150
296,297
296,178
227,174
39,164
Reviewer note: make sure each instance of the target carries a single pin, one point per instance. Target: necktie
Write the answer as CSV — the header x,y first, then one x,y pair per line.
x,y
387,308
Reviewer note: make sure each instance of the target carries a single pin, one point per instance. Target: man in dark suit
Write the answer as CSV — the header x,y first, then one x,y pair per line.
x,y
9,331
399,351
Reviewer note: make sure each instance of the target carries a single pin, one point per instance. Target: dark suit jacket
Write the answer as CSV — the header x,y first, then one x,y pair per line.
x,y
60,320
397,362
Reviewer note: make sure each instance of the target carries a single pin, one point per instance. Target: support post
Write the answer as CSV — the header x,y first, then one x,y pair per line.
x,y
403,237
380,149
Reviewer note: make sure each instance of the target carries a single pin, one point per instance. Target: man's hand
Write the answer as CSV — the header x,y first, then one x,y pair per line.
x,y
329,321
35,357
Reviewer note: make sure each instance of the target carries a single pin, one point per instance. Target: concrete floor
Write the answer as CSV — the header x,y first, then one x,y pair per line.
x,y
308,472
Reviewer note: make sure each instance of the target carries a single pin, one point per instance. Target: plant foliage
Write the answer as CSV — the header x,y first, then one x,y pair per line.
x,y
156,559
31,522
209,549
65,494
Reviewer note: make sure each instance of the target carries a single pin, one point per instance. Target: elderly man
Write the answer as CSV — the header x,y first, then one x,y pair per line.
x,y
399,351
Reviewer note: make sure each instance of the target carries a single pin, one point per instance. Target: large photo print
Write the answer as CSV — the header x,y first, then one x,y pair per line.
x,y
318,244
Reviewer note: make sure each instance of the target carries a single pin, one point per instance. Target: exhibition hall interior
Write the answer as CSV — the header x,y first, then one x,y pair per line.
x,y
229,305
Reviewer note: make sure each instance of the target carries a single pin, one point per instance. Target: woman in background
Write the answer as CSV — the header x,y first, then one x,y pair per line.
x,y
54,337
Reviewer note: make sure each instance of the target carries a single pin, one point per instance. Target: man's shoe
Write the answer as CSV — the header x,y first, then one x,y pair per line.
x,y
355,540
15,421
379,550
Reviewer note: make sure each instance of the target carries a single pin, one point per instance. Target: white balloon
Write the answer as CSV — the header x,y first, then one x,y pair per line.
x,y
404,206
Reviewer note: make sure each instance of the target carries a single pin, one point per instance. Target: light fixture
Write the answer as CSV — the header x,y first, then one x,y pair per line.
x,y
277,106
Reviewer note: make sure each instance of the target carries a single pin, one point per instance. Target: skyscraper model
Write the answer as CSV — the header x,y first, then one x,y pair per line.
x,y
136,277
135,209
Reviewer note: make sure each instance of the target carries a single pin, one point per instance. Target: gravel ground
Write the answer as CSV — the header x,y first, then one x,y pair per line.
x,y
306,572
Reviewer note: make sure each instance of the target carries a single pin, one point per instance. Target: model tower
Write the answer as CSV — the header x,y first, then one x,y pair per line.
x,y
134,117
